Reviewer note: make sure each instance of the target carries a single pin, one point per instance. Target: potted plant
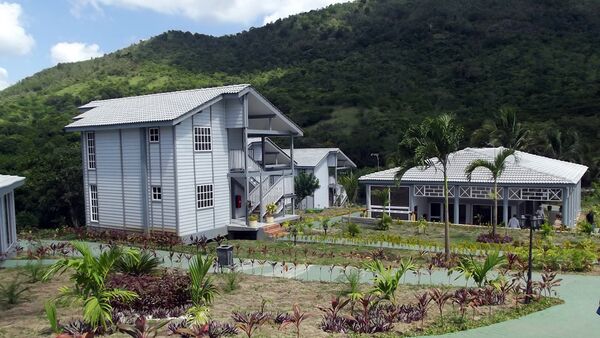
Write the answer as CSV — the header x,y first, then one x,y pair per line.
x,y
271,209
253,220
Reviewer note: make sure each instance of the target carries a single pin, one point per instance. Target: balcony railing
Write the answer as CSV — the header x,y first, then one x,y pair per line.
x,y
236,161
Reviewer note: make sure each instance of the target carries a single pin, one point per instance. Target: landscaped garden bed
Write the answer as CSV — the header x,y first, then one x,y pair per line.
x,y
263,306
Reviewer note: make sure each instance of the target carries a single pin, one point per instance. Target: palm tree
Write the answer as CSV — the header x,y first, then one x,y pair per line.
x,y
473,268
431,144
496,168
383,195
507,131
350,184
89,275
563,145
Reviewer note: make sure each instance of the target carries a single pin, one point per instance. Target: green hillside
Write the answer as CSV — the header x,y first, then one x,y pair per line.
x,y
353,75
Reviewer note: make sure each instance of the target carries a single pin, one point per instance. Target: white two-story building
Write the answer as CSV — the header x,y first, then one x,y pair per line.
x,y
186,161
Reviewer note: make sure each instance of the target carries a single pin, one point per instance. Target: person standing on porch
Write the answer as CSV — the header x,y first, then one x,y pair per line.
x,y
513,222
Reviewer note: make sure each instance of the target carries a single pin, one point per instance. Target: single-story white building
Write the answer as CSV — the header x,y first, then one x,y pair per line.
x,y
324,163
8,228
528,182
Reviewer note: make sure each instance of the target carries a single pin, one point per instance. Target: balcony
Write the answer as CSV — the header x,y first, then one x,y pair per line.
x,y
237,163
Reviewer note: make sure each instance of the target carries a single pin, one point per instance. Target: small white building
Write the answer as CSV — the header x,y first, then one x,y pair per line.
x,y
8,228
324,163
528,182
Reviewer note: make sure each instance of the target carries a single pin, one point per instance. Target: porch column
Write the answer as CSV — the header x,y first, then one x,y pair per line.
x,y
245,148
389,190
262,204
368,192
565,207
335,187
411,203
293,174
505,215
3,226
456,205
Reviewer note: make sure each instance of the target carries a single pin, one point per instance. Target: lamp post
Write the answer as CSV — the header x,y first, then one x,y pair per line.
x,y
528,291
377,156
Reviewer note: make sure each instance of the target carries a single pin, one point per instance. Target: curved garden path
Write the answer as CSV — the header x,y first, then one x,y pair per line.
x,y
574,319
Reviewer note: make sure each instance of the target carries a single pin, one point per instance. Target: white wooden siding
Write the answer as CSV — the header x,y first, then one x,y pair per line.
x,y
220,166
108,173
186,185
168,179
321,195
197,167
132,174
234,118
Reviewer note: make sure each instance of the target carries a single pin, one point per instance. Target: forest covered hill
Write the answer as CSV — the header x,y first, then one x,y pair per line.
x,y
353,75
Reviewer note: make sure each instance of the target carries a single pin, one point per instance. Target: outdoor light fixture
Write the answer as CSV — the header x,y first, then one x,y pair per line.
x,y
377,156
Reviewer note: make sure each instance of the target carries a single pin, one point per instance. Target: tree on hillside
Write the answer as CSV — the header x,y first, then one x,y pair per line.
x,y
305,185
431,143
562,145
496,168
504,130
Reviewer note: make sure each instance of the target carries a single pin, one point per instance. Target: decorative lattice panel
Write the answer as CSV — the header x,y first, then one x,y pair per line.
x,y
432,191
535,194
479,192
482,192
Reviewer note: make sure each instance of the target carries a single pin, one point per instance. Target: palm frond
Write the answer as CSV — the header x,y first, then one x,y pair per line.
x,y
475,164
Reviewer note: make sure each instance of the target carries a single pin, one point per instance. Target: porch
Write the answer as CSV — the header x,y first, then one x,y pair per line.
x,y
238,229
472,204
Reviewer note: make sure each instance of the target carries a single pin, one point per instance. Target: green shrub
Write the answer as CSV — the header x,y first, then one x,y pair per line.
x,y
585,227
546,230
421,226
385,222
35,271
557,258
232,281
12,293
580,260
353,229
137,263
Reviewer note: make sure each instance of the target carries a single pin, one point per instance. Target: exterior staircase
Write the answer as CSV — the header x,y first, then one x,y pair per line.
x,y
272,193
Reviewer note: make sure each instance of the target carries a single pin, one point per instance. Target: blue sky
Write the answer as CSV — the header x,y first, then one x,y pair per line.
x,y
36,34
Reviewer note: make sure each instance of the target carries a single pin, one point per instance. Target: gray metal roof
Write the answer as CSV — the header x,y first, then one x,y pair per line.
x,y
149,108
9,181
311,157
522,168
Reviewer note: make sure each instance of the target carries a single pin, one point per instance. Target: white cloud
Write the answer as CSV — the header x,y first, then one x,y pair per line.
x,y
237,11
74,51
3,78
13,37
288,8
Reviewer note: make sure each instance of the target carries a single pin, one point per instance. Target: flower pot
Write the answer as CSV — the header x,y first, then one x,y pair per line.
x,y
253,224
270,219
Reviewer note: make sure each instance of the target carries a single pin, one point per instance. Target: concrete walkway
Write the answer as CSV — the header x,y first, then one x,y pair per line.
x,y
575,318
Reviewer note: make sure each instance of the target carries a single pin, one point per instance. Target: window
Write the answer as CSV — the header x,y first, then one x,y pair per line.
x,y
91,149
204,196
8,218
202,139
154,135
156,193
94,203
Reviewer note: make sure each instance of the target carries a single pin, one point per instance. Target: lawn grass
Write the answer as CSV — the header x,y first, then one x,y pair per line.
x,y
313,253
434,232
